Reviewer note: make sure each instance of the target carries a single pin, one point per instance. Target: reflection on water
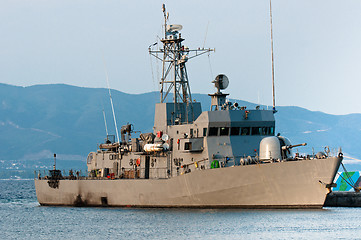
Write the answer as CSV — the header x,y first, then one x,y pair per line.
x,y
23,218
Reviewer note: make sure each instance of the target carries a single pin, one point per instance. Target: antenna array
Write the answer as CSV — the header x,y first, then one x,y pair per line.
x,y
174,56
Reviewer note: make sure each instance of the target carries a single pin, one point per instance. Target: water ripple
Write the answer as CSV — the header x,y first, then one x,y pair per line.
x,y
23,218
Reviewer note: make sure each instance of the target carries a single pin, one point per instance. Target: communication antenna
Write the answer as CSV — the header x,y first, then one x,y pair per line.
x,y
174,80
166,15
205,36
273,68
105,122
111,100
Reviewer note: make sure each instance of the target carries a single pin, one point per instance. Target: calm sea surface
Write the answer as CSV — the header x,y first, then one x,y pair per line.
x,y
21,217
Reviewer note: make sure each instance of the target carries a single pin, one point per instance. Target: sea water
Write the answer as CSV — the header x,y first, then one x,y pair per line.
x,y
21,217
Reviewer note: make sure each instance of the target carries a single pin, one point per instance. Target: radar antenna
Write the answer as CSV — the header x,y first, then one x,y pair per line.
x,y
221,82
219,99
174,56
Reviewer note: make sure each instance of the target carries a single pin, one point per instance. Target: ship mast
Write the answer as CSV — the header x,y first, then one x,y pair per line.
x,y
273,66
174,56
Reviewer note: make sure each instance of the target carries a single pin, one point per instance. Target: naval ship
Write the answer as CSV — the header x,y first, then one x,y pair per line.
x,y
227,157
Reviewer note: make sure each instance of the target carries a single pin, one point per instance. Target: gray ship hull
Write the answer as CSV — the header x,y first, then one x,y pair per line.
x,y
293,184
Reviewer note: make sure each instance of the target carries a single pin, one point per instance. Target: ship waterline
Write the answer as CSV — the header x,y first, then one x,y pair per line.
x,y
292,184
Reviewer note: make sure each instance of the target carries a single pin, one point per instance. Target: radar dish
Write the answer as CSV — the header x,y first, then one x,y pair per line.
x,y
174,27
221,82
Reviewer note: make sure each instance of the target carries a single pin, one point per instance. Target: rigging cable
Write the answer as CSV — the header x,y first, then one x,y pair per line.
x,y
151,67
348,175
210,65
346,181
154,81
351,183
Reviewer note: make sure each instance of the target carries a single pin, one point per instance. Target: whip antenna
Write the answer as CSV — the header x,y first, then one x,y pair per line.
x,y
205,36
166,15
105,122
273,67
111,100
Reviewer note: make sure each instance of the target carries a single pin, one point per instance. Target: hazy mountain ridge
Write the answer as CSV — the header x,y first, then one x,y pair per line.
x,y
38,120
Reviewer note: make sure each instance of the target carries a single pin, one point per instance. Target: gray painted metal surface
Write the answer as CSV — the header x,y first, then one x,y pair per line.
x,y
294,184
194,158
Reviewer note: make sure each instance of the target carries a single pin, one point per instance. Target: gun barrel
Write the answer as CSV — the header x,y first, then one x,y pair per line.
x,y
292,146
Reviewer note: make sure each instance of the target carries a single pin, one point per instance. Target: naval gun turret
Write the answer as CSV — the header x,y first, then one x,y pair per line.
x,y
276,148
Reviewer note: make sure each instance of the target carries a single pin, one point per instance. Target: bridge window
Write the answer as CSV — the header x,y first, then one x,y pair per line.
x,y
224,131
256,131
268,131
264,130
245,131
271,131
204,132
235,131
213,131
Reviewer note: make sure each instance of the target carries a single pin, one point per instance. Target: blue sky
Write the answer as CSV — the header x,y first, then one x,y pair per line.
x,y
317,46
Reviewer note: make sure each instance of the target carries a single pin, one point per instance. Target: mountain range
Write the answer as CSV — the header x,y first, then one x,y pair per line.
x,y
40,120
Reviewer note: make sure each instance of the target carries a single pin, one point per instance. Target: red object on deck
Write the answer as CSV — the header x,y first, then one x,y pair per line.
x,y
159,134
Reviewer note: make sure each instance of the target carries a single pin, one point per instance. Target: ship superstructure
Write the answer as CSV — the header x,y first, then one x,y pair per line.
x,y
228,156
